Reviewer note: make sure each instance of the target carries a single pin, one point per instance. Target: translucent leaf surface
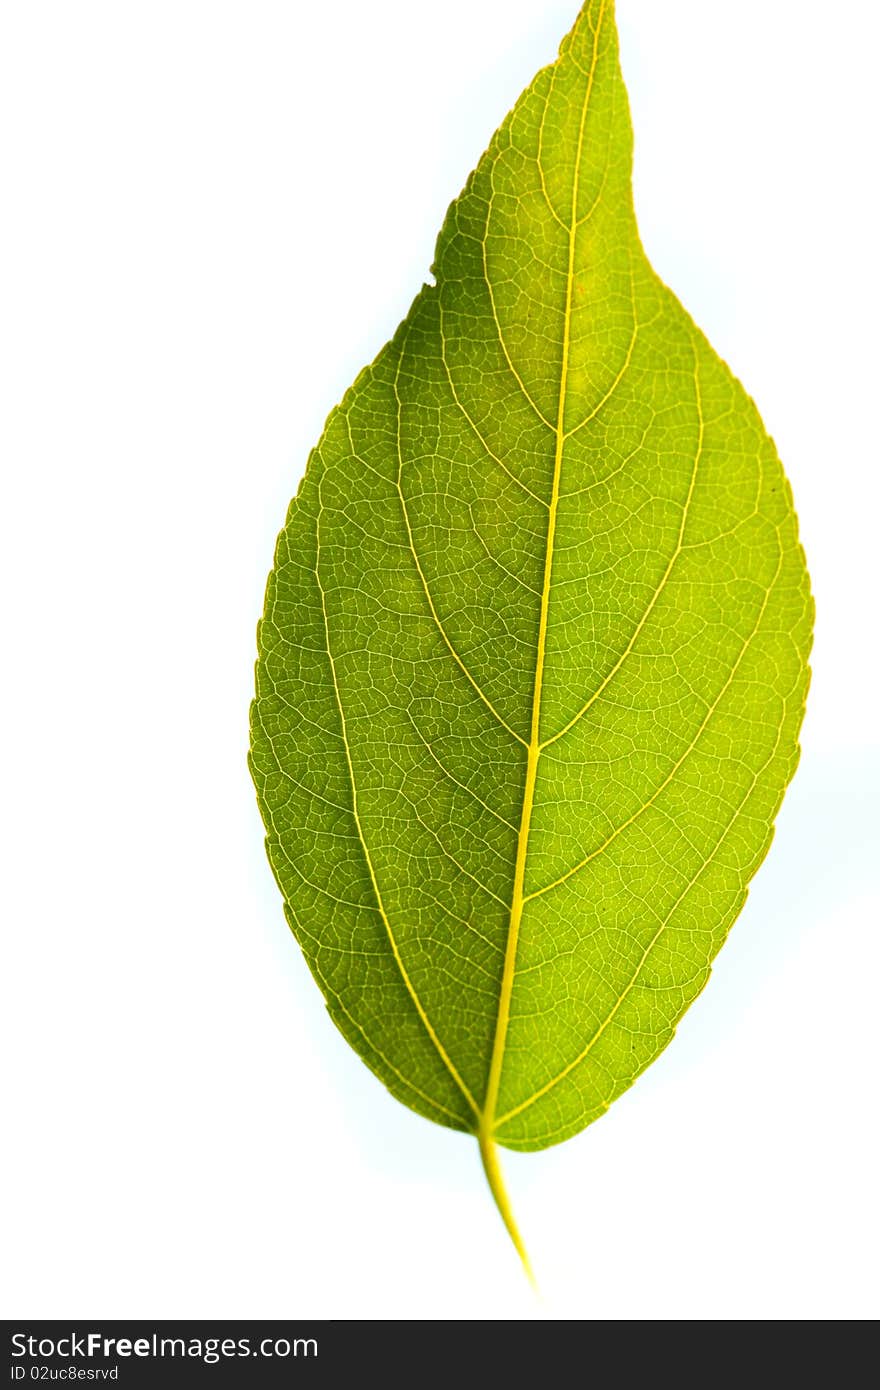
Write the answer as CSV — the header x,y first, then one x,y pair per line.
x,y
533,659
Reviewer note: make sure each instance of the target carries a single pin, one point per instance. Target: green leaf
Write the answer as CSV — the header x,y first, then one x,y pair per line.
x,y
533,660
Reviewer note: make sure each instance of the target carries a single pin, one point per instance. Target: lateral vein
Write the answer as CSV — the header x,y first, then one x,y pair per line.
x,y
655,597
661,929
707,718
392,940
424,582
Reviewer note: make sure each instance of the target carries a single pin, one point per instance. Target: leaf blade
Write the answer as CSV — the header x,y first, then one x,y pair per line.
x,y
545,561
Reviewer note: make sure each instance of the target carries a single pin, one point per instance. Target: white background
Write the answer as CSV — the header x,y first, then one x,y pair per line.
x,y
215,214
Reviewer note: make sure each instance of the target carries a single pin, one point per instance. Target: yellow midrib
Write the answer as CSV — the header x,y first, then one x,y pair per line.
x,y
487,1121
